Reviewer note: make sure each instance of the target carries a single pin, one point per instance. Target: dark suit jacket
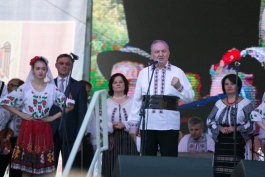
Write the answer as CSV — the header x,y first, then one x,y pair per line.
x,y
73,119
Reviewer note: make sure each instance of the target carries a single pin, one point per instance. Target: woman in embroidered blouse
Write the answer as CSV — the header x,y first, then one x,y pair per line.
x,y
221,125
258,116
118,107
11,122
33,153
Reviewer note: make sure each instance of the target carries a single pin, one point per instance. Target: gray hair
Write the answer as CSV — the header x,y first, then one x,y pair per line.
x,y
159,41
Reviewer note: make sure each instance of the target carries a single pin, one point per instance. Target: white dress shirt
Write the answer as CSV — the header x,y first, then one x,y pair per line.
x,y
65,82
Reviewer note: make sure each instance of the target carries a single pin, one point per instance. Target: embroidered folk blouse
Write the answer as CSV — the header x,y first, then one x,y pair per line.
x,y
224,115
160,85
35,103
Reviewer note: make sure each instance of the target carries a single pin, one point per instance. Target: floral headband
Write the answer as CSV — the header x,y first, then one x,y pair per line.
x,y
33,60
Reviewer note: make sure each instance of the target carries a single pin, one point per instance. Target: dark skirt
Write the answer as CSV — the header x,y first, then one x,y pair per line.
x,y
120,143
34,150
224,154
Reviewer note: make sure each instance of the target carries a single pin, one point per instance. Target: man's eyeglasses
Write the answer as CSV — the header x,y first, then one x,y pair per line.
x,y
63,63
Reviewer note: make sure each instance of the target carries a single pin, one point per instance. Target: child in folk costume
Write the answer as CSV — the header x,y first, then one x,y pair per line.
x,y
33,153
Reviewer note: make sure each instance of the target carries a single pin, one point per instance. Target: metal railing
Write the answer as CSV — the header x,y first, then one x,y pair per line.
x,y
97,106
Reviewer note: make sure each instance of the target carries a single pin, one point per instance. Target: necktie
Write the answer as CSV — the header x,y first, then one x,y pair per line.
x,y
61,86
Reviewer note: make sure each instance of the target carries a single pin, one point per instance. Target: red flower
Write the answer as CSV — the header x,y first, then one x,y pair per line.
x,y
32,61
6,101
231,56
46,110
39,108
35,101
69,104
44,103
11,98
30,109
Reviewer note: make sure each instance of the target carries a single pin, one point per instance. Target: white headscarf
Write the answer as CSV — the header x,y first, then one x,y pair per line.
x,y
49,77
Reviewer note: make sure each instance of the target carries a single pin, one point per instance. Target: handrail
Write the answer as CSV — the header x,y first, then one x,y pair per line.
x,y
99,103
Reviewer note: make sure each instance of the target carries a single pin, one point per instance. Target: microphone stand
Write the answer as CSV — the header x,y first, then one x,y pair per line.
x,y
236,107
252,147
142,112
62,125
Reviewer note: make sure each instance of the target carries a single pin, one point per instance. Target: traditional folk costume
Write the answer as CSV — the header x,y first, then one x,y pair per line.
x,y
120,142
162,116
224,115
33,152
10,124
258,115
34,149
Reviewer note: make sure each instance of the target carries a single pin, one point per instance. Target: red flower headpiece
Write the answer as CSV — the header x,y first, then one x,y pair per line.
x,y
32,61
231,56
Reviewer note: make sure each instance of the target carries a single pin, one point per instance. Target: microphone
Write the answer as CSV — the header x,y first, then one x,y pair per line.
x,y
154,62
74,56
237,64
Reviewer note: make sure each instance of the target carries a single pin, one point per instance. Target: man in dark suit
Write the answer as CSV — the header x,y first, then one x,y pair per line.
x,y
66,129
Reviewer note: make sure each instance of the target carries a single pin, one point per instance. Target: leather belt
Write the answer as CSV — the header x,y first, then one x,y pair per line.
x,y
161,102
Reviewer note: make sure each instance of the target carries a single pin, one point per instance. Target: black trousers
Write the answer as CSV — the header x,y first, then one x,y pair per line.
x,y
166,139
6,159
83,158
63,146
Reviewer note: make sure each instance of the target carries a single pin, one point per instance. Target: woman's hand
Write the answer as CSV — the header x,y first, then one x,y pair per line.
x,y
48,119
230,129
227,130
132,133
26,116
69,108
118,125
224,130
261,124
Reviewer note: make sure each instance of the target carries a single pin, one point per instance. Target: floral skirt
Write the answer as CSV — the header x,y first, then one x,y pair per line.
x,y
34,150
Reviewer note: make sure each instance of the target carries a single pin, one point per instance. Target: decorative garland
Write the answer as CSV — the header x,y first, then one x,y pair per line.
x,y
255,52
135,50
